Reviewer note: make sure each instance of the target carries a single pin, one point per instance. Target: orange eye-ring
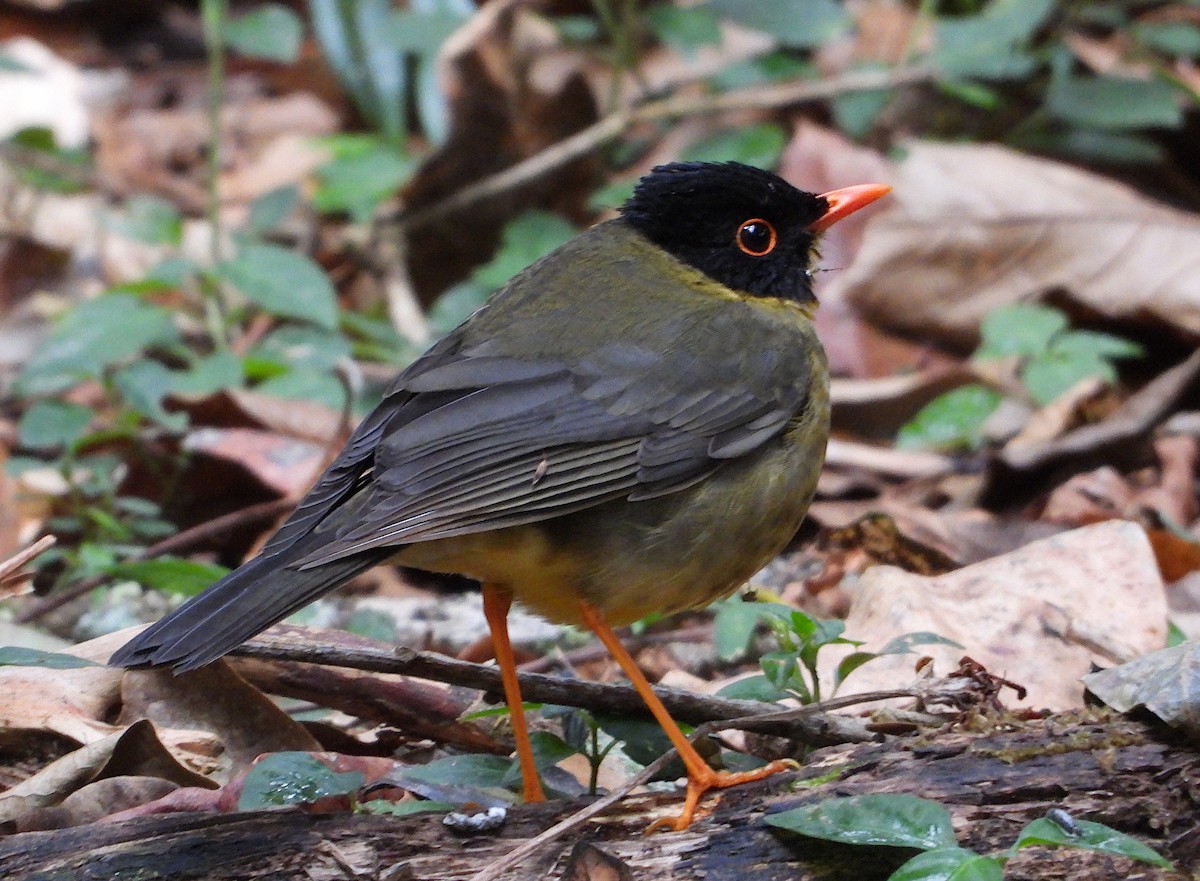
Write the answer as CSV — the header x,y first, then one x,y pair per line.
x,y
756,237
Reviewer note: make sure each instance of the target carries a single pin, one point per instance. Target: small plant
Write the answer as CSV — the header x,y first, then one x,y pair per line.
x,y
1051,358
792,669
888,820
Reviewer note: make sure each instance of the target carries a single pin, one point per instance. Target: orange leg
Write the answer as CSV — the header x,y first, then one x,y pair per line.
x,y
701,777
496,603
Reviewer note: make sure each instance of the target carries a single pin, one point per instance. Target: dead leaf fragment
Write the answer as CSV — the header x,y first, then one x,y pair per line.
x,y
972,228
134,750
1165,682
1040,616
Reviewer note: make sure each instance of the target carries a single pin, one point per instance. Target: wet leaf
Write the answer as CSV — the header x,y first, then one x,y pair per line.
x,y
1087,836
292,778
886,820
949,864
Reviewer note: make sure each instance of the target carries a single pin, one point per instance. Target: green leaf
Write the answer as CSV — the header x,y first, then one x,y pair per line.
x,y
1175,635
1172,38
643,740
17,656
685,29
272,32
1087,836
884,820
1111,103
422,32
51,425
973,93
302,384
363,172
271,209
382,807
905,643
733,626
57,174
1049,375
1102,146
171,574
770,68
548,749
290,778
1090,343
752,688
526,238
303,346
354,38
989,45
953,421
151,220
1023,329
372,623
612,195
949,864
481,771
856,112
209,374
283,282
800,23
456,305
758,145
143,385
850,663
93,335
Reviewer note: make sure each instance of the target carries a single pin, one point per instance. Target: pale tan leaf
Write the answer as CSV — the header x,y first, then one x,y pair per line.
x,y
1039,616
971,228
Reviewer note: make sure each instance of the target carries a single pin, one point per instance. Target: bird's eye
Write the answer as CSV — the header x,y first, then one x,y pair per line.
x,y
756,237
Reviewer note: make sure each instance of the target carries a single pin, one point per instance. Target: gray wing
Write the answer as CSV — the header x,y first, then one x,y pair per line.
x,y
480,441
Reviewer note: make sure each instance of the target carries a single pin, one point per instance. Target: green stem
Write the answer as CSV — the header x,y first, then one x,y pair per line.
x,y
215,13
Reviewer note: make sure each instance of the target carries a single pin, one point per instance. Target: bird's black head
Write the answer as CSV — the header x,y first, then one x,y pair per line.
x,y
742,226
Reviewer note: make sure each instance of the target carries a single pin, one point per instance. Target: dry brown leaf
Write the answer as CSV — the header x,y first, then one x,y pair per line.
x,y
285,464
1090,497
267,143
589,863
133,750
510,93
1040,616
216,701
73,703
95,801
972,228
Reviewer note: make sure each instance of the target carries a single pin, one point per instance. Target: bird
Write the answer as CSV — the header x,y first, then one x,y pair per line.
x,y
633,424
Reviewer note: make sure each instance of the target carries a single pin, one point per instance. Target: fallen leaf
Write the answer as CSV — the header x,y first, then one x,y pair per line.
x,y
1165,682
1040,616
133,750
216,701
972,228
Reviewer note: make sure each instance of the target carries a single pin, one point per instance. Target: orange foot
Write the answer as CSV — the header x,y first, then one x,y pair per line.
x,y
706,779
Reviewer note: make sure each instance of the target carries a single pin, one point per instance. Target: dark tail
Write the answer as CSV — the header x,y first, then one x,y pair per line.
x,y
245,602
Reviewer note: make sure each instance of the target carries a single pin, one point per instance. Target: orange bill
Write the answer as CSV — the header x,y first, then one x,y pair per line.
x,y
845,202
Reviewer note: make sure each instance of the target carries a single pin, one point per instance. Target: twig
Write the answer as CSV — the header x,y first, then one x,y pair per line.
x,y
180,541
20,558
614,125
810,726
